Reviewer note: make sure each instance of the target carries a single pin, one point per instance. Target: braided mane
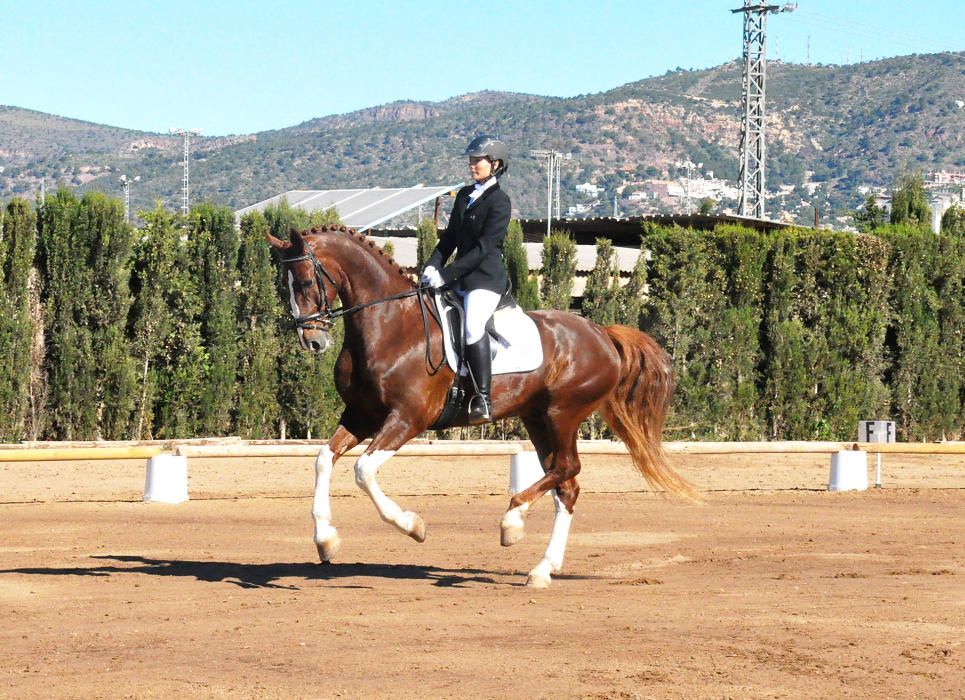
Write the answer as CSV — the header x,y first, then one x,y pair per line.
x,y
363,241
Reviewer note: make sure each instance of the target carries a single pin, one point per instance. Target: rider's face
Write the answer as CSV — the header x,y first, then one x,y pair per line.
x,y
480,167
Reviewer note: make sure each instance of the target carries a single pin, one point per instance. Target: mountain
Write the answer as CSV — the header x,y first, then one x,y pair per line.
x,y
830,130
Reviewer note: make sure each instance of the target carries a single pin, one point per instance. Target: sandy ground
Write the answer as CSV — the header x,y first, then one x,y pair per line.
x,y
774,588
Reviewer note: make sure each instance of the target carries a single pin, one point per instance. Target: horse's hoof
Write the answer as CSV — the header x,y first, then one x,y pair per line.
x,y
509,536
417,530
329,548
512,528
537,581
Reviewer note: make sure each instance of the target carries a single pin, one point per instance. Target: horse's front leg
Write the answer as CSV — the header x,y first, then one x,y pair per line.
x,y
326,536
394,433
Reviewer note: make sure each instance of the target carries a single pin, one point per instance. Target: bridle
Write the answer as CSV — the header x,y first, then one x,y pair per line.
x,y
325,315
322,319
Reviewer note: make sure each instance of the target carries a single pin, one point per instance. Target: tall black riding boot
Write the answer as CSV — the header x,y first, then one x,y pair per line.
x,y
480,364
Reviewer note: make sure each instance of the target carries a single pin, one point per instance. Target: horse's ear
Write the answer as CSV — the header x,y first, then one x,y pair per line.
x,y
276,243
297,239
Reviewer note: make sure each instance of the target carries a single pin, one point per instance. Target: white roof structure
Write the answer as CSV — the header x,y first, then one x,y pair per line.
x,y
360,209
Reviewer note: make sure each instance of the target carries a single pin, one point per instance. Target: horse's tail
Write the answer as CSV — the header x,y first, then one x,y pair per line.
x,y
638,405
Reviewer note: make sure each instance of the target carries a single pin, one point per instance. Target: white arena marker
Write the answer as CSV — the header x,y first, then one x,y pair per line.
x,y
524,471
849,471
167,479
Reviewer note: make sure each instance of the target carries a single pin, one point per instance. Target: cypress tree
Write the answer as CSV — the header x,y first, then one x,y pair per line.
x,y
427,237
84,251
685,303
786,368
111,239
559,270
172,365
525,287
215,242
601,295
631,296
259,316
18,234
909,202
926,337
953,221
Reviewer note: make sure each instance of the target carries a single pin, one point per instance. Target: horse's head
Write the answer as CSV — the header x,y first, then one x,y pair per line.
x,y
311,290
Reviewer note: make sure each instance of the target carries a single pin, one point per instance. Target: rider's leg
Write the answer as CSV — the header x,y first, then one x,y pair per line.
x,y
480,305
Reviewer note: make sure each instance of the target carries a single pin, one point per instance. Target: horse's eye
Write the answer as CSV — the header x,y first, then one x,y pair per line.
x,y
306,284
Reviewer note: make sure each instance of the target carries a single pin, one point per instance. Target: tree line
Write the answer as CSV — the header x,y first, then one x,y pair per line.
x,y
179,328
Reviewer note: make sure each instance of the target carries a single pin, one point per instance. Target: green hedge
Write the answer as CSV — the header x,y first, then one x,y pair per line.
x,y
799,334
180,328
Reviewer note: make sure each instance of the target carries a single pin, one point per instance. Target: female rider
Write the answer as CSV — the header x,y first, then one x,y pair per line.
x,y
476,232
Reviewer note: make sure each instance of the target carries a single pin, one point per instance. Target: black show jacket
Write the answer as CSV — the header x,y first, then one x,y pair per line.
x,y
476,235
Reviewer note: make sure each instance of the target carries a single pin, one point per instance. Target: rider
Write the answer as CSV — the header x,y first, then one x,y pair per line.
x,y
476,231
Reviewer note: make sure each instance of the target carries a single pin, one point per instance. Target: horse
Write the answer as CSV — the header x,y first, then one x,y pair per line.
x,y
392,392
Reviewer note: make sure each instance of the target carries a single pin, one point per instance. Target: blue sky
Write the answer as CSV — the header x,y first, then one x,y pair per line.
x,y
245,66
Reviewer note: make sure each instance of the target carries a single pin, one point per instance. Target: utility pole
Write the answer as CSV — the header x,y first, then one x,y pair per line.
x,y
753,79
126,184
185,197
553,160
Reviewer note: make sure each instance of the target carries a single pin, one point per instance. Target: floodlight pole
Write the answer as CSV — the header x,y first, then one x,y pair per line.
x,y
553,161
185,197
126,183
753,79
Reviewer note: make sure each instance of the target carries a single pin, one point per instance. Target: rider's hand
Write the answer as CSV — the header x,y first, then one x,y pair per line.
x,y
431,277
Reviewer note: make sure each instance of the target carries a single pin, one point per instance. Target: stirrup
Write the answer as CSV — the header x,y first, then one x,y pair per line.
x,y
480,410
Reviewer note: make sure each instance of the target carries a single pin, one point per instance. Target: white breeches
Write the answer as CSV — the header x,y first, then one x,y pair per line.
x,y
480,304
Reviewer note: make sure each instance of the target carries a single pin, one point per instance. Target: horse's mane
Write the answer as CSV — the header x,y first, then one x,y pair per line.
x,y
367,244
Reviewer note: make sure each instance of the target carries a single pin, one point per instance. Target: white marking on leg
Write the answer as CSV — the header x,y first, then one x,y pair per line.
x,y
321,508
552,560
366,469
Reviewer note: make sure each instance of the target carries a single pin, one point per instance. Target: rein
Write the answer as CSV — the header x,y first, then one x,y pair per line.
x,y
323,318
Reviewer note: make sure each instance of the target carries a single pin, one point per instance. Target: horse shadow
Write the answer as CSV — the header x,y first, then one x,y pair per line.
x,y
249,575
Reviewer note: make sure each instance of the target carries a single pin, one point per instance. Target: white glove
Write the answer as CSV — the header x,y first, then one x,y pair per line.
x,y
431,277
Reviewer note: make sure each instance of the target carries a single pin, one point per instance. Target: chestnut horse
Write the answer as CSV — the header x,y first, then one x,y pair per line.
x,y
392,393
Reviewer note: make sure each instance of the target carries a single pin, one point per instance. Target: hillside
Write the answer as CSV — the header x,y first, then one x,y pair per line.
x,y
830,129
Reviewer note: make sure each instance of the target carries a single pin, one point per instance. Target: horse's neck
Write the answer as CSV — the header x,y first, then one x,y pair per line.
x,y
367,278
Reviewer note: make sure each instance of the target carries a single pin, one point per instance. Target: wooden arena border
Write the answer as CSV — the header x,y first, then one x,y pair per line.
x,y
233,447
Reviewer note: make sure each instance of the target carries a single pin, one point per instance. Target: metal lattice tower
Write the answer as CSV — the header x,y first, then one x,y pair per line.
x,y
126,184
753,81
185,181
553,162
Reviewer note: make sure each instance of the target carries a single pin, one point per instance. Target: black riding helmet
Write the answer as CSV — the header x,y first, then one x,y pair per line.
x,y
491,148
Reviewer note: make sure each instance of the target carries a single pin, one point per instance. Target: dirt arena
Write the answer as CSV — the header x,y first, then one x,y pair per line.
x,y
774,588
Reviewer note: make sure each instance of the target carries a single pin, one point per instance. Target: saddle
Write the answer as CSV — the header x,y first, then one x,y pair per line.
x,y
514,339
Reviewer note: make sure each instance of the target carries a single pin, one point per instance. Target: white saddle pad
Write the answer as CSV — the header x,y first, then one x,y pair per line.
x,y
523,351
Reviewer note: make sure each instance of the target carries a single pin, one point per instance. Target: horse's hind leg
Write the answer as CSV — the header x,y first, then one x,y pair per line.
x,y
391,436
326,536
555,444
